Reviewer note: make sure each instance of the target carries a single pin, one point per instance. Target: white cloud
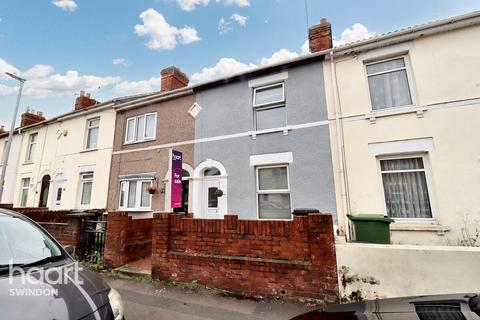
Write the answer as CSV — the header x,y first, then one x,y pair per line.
x,y
6,67
189,5
119,62
240,3
42,82
305,49
241,20
224,26
38,71
163,36
68,5
134,87
278,56
224,67
356,33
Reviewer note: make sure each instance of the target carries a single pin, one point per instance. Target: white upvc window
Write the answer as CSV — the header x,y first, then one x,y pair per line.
x,y
86,186
407,187
32,146
273,192
269,106
141,128
389,83
93,127
134,195
24,189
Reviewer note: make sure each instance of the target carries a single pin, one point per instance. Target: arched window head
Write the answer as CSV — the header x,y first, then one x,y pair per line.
x,y
211,172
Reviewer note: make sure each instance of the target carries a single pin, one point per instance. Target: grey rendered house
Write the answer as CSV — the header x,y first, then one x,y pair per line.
x,y
262,141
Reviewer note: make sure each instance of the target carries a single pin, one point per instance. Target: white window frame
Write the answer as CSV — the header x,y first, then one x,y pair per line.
x,y
275,191
428,177
282,101
136,119
90,127
82,183
138,195
23,189
31,155
407,69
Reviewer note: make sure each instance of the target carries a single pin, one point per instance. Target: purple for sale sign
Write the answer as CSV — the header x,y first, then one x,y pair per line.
x,y
176,179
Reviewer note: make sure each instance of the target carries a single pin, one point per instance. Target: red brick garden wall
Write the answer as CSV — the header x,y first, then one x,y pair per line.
x,y
294,259
127,239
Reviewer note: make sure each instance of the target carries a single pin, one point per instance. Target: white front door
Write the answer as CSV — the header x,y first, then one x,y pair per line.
x,y
214,205
57,195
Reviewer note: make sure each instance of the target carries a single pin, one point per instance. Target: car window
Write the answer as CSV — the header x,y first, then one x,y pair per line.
x,y
22,242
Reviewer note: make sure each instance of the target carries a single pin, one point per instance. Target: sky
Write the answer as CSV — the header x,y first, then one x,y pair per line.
x,y
114,48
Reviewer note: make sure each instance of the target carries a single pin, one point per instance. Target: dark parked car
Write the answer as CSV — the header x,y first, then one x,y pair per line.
x,y
439,307
40,280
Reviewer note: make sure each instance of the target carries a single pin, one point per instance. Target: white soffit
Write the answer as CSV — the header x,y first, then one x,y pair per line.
x,y
271,158
263,81
385,52
402,146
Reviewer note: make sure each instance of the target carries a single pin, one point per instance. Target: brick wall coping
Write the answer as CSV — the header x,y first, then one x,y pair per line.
x,y
53,223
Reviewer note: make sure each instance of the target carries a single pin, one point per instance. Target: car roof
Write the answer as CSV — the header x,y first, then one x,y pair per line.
x,y
11,213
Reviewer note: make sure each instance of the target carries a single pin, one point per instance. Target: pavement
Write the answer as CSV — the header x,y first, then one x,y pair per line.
x,y
159,300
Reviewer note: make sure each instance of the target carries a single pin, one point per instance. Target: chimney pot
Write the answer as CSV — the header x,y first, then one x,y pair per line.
x,y
320,36
31,117
172,79
84,101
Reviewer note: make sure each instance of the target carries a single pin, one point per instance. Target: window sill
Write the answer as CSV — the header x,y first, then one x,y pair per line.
x,y
373,115
419,226
285,130
134,210
136,142
89,150
27,163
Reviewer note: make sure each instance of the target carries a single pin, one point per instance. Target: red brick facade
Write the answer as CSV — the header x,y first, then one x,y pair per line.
x,y
127,239
294,259
320,36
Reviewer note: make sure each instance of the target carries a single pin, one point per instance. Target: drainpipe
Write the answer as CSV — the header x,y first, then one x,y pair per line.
x,y
340,148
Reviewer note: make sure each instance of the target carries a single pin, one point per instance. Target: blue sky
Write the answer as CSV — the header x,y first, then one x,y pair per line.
x,y
115,47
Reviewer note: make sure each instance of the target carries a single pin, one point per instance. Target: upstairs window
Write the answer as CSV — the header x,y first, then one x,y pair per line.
x,y
93,126
141,128
388,84
32,145
269,106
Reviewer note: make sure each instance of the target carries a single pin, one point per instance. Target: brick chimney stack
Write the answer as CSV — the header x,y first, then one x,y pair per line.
x,y
84,101
320,36
31,117
173,78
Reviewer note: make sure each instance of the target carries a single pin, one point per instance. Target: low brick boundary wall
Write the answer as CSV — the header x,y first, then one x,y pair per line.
x,y
127,239
294,259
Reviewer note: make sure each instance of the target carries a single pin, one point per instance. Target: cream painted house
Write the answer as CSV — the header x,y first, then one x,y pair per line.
x,y
12,164
404,111
64,162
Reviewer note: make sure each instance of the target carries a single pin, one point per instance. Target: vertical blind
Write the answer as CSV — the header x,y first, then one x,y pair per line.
x,y
405,187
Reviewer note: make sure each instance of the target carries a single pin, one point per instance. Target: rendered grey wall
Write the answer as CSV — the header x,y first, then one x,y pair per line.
x,y
228,110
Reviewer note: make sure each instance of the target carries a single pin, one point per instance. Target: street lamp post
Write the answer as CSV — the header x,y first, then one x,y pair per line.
x,y
6,152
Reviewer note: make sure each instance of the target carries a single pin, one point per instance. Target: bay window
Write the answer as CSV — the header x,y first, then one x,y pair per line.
x,y
134,195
